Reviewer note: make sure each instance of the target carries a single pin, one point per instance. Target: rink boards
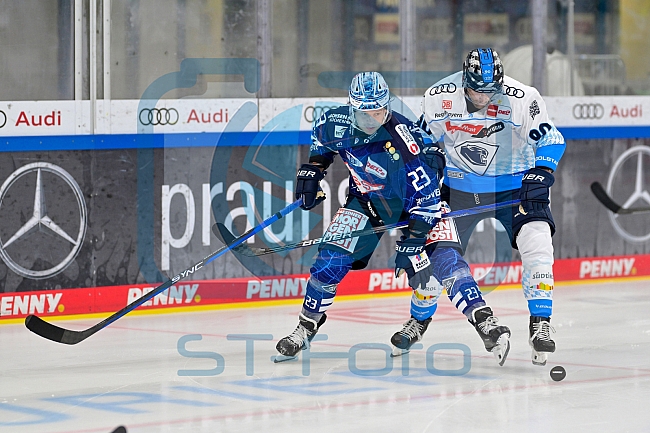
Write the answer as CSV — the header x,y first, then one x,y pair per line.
x,y
240,292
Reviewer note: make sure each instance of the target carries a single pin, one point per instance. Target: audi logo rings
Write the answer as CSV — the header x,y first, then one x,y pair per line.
x,y
588,111
3,119
513,91
443,88
312,113
158,116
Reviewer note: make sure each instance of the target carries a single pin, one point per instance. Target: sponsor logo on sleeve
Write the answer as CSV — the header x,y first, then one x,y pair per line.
x,y
533,110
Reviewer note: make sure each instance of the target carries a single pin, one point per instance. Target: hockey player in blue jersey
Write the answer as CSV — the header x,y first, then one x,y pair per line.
x,y
497,142
389,182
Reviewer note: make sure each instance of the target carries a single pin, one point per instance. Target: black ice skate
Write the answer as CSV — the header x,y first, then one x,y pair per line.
x,y
540,339
496,338
299,339
410,334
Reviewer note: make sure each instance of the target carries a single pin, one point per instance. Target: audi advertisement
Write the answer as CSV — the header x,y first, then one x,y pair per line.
x,y
28,118
119,215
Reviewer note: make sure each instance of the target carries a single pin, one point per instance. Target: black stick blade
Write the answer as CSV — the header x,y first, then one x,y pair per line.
x,y
223,233
227,237
610,204
604,198
52,332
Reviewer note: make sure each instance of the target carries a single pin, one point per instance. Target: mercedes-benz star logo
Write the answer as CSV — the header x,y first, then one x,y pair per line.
x,y
40,221
640,192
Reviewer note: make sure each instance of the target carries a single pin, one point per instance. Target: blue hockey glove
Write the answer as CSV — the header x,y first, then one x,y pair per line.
x,y
308,186
535,190
412,258
435,158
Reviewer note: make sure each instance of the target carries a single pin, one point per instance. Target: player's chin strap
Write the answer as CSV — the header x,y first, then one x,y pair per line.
x,y
227,236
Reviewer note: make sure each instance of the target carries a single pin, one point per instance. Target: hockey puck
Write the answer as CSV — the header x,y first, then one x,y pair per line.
x,y
558,373
120,429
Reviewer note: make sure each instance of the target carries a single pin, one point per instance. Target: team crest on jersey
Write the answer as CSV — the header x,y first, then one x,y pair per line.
x,y
476,155
339,131
411,144
375,169
492,110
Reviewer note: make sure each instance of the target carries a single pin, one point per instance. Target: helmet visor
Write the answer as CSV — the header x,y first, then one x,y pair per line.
x,y
369,121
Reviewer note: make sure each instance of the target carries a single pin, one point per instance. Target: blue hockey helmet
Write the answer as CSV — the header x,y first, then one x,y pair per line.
x,y
369,91
483,71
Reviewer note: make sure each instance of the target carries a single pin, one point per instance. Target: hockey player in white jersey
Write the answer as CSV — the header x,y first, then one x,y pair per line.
x,y
498,144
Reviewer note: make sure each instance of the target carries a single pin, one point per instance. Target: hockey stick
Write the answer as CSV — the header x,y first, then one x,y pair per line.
x,y
220,230
610,204
66,336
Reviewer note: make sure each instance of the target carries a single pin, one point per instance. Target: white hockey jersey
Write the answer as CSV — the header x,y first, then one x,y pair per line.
x,y
489,150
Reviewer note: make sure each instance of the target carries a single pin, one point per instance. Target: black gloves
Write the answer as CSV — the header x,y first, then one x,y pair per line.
x,y
308,186
435,158
535,190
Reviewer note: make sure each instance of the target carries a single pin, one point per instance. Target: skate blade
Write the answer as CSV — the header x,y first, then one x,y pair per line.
x,y
399,352
502,349
283,358
539,358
